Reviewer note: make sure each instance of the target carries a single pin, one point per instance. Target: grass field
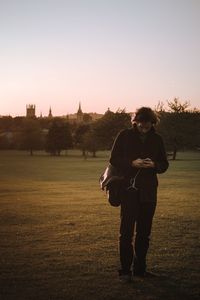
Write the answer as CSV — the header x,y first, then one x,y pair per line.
x,y
59,236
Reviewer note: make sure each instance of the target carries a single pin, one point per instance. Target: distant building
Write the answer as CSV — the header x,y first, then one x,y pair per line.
x,y
50,113
30,111
72,118
95,116
79,114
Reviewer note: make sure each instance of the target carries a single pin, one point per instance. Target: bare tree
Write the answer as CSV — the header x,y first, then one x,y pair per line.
x,y
177,106
160,107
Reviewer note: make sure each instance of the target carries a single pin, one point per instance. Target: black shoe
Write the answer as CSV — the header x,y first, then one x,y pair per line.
x,y
138,273
144,274
125,277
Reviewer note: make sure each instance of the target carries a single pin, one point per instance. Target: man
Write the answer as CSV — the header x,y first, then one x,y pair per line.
x,y
139,153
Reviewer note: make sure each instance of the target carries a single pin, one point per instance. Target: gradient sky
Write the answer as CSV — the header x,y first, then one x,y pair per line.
x,y
104,53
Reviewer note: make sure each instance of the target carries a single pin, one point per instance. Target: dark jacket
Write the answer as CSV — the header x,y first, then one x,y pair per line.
x,y
129,146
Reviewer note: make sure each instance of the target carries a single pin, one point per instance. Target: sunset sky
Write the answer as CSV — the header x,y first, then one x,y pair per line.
x,y
103,53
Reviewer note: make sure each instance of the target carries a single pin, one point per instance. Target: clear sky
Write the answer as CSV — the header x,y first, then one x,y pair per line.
x,y
104,53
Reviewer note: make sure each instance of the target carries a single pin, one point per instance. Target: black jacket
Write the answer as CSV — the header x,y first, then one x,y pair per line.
x,y
128,146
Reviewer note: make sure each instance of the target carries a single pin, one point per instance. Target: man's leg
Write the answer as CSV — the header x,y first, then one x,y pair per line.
x,y
129,209
143,231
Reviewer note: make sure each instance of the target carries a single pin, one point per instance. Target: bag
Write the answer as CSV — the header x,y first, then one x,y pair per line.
x,y
115,193
113,181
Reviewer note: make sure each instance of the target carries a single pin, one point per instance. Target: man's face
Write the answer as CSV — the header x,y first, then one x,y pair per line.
x,y
143,126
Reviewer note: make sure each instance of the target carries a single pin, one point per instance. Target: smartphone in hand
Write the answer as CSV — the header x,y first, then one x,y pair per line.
x,y
147,160
148,163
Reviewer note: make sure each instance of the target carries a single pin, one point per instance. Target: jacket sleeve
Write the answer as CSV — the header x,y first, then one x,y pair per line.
x,y
118,157
161,164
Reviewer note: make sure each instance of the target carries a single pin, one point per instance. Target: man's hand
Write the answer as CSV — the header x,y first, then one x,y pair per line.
x,y
137,163
148,163
143,163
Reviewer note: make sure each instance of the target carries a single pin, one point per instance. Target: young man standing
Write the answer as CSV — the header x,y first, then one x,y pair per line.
x,y
139,153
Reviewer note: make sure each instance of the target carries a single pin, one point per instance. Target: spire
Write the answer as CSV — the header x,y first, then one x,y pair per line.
x,y
50,113
79,109
79,113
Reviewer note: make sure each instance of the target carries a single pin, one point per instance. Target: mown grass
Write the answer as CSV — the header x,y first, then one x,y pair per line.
x,y
59,236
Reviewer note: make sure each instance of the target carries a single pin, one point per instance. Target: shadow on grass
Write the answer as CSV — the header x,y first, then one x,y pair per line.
x,y
82,286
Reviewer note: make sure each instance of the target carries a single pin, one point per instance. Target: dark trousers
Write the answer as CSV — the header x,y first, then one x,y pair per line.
x,y
135,215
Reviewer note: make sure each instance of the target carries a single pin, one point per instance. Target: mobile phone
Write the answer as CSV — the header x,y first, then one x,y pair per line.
x,y
146,159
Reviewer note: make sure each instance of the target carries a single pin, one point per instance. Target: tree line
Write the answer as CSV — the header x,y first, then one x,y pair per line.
x,y
179,126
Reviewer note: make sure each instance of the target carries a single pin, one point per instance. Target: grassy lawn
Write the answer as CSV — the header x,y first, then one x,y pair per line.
x,y
59,236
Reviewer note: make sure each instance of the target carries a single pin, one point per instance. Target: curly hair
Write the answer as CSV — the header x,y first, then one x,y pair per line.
x,y
145,114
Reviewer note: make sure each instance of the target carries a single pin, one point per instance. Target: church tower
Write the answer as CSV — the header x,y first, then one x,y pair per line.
x,y
79,113
50,113
30,111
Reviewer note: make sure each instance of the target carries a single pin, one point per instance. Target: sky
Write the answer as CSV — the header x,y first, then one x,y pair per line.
x,y
117,54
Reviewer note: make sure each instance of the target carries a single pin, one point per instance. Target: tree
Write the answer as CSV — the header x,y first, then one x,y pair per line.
x,y
6,123
178,107
30,137
160,107
6,135
100,134
179,125
108,126
90,143
180,130
79,134
6,140
59,137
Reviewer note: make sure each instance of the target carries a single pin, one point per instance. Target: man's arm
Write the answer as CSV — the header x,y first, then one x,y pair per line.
x,y
118,156
161,164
